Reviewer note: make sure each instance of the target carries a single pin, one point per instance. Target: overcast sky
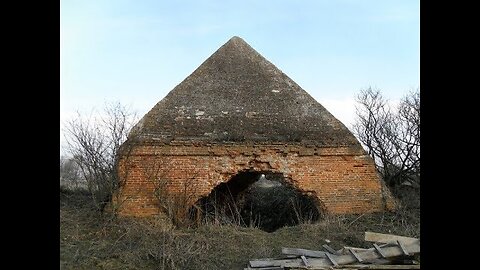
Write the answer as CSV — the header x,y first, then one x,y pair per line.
x,y
136,51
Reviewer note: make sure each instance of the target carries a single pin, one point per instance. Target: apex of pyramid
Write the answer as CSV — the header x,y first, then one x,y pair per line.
x,y
237,41
237,45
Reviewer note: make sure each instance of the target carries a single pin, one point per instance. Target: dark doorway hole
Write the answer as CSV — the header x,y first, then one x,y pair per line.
x,y
257,199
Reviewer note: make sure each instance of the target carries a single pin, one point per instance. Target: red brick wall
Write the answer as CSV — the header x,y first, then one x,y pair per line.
x,y
344,180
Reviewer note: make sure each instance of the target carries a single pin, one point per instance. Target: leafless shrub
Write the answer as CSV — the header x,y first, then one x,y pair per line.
x,y
221,209
392,137
94,144
175,205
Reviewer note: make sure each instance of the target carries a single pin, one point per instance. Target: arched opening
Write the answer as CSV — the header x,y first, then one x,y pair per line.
x,y
261,199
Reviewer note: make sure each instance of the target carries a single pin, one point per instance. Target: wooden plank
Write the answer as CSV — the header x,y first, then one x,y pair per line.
x,y
346,249
356,255
304,252
329,249
389,238
271,262
378,261
379,267
310,268
304,260
380,251
274,263
332,260
265,268
359,267
402,247
368,255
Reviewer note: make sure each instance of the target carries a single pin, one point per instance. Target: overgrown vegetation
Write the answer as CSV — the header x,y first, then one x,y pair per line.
x,y
90,240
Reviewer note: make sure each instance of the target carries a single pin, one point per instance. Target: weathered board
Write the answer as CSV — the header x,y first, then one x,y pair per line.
x,y
367,255
354,267
389,238
304,252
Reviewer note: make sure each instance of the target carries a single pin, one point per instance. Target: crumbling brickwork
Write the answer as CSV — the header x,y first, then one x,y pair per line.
x,y
344,180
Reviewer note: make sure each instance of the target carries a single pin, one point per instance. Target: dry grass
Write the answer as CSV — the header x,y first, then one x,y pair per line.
x,y
89,240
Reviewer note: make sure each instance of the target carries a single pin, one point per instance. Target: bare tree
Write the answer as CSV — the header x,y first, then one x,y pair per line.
x,y
391,136
70,177
94,142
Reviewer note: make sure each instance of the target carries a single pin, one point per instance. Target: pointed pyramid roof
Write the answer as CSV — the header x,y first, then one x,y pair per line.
x,y
237,95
